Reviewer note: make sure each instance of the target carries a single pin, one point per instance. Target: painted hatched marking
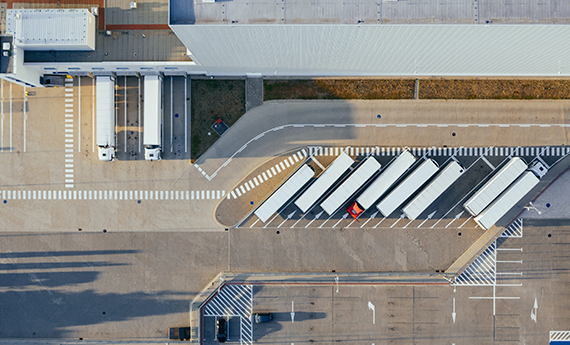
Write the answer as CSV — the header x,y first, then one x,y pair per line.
x,y
514,230
559,335
234,301
482,272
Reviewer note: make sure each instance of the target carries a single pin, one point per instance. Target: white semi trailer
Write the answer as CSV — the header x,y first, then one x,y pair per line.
x,y
284,193
152,117
495,186
387,178
407,187
364,172
106,117
324,182
433,190
507,200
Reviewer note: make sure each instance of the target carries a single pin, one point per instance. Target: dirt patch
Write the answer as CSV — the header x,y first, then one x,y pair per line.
x,y
429,89
494,89
339,89
212,100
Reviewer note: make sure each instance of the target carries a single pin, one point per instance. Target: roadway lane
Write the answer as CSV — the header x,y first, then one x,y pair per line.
x,y
280,126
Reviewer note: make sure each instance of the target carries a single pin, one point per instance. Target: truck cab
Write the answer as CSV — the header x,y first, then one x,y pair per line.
x,y
107,154
152,153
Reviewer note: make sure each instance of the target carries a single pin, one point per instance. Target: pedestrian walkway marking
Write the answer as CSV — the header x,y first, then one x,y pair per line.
x,y
514,230
68,134
111,195
272,171
482,271
234,301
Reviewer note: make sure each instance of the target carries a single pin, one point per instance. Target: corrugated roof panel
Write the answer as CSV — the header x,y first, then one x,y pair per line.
x,y
385,50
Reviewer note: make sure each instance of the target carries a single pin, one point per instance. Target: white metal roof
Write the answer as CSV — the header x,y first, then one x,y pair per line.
x,y
495,186
386,179
405,189
284,193
507,200
105,111
52,29
152,115
324,182
350,185
380,50
433,190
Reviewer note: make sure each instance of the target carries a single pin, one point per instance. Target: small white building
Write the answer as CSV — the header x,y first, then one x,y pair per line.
x,y
52,29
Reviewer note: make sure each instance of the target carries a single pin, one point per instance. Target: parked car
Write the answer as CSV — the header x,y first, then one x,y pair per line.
x,y
179,333
262,317
221,330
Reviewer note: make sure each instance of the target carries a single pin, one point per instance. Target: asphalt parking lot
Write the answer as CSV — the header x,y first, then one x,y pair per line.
x,y
514,293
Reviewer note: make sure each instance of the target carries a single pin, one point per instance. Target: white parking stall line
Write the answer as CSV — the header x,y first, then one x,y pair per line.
x,y
510,273
79,114
468,219
11,115
380,222
2,116
510,262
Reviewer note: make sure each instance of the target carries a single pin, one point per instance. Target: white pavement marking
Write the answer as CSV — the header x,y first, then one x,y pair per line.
x,y
274,129
125,106
79,114
2,116
139,111
171,113
25,116
482,272
468,219
488,163
369,219
68,133
514,230
93,123
11,117
375,226
559,335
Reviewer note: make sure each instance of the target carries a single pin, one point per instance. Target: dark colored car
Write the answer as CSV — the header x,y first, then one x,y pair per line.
x,y
261,318
179,333
222,330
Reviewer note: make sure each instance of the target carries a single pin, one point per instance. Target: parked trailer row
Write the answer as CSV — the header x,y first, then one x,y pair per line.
x,y
495,186
405,189
446,177
106,117
359,177
285,192
324,182
507,200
